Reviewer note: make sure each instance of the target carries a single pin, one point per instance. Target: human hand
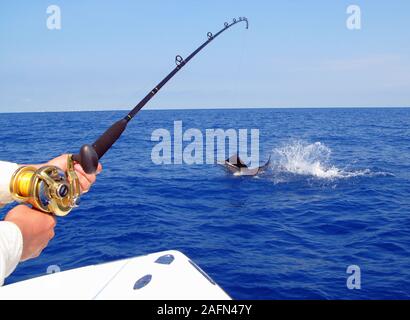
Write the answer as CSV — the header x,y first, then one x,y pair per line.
x,y
37,229
86,180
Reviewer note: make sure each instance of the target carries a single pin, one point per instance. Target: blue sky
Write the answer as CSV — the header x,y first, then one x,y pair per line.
x,y
109,54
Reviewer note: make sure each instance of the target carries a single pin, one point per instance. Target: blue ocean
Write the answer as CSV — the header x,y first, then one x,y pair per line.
x,y
336,194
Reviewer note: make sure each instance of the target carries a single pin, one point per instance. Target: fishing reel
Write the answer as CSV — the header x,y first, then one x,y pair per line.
x,y
48,189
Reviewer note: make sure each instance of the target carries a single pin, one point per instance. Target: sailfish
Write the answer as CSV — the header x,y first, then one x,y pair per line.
x,y
237,167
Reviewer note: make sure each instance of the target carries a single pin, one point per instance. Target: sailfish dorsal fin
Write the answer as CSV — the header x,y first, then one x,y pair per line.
x,y
236,161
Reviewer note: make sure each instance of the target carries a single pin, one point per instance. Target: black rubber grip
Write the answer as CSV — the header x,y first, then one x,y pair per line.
x,y
107,139
89,155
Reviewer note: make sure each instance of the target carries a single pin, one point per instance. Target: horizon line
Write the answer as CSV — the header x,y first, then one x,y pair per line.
x,y
214,108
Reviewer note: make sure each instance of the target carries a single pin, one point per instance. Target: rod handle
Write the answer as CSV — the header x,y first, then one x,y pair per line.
x,y
108,138
90,154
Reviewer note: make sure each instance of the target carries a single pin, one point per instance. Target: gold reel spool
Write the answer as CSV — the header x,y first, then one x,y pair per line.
x,y
48,189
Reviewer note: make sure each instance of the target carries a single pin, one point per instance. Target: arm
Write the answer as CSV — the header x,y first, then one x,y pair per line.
x,y
26,232
11,239
6,171
11,248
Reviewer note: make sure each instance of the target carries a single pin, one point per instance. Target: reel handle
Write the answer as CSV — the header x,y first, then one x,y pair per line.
x,y
89,155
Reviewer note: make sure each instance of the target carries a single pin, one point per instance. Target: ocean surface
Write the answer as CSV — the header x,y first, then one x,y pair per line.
x,y
337,193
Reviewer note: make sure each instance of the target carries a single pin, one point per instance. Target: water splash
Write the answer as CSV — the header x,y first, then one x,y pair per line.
x,y
313,160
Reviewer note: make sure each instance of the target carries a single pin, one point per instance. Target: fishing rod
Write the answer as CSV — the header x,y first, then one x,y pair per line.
x,y
90,154
51,190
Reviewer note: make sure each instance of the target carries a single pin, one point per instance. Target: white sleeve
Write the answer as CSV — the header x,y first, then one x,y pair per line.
x,y
11,248
6,171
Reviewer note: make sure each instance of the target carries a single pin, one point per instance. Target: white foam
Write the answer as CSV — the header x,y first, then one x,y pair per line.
x,y
301,158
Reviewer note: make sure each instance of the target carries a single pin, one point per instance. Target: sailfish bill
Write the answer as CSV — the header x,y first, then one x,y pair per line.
x,y
237,167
